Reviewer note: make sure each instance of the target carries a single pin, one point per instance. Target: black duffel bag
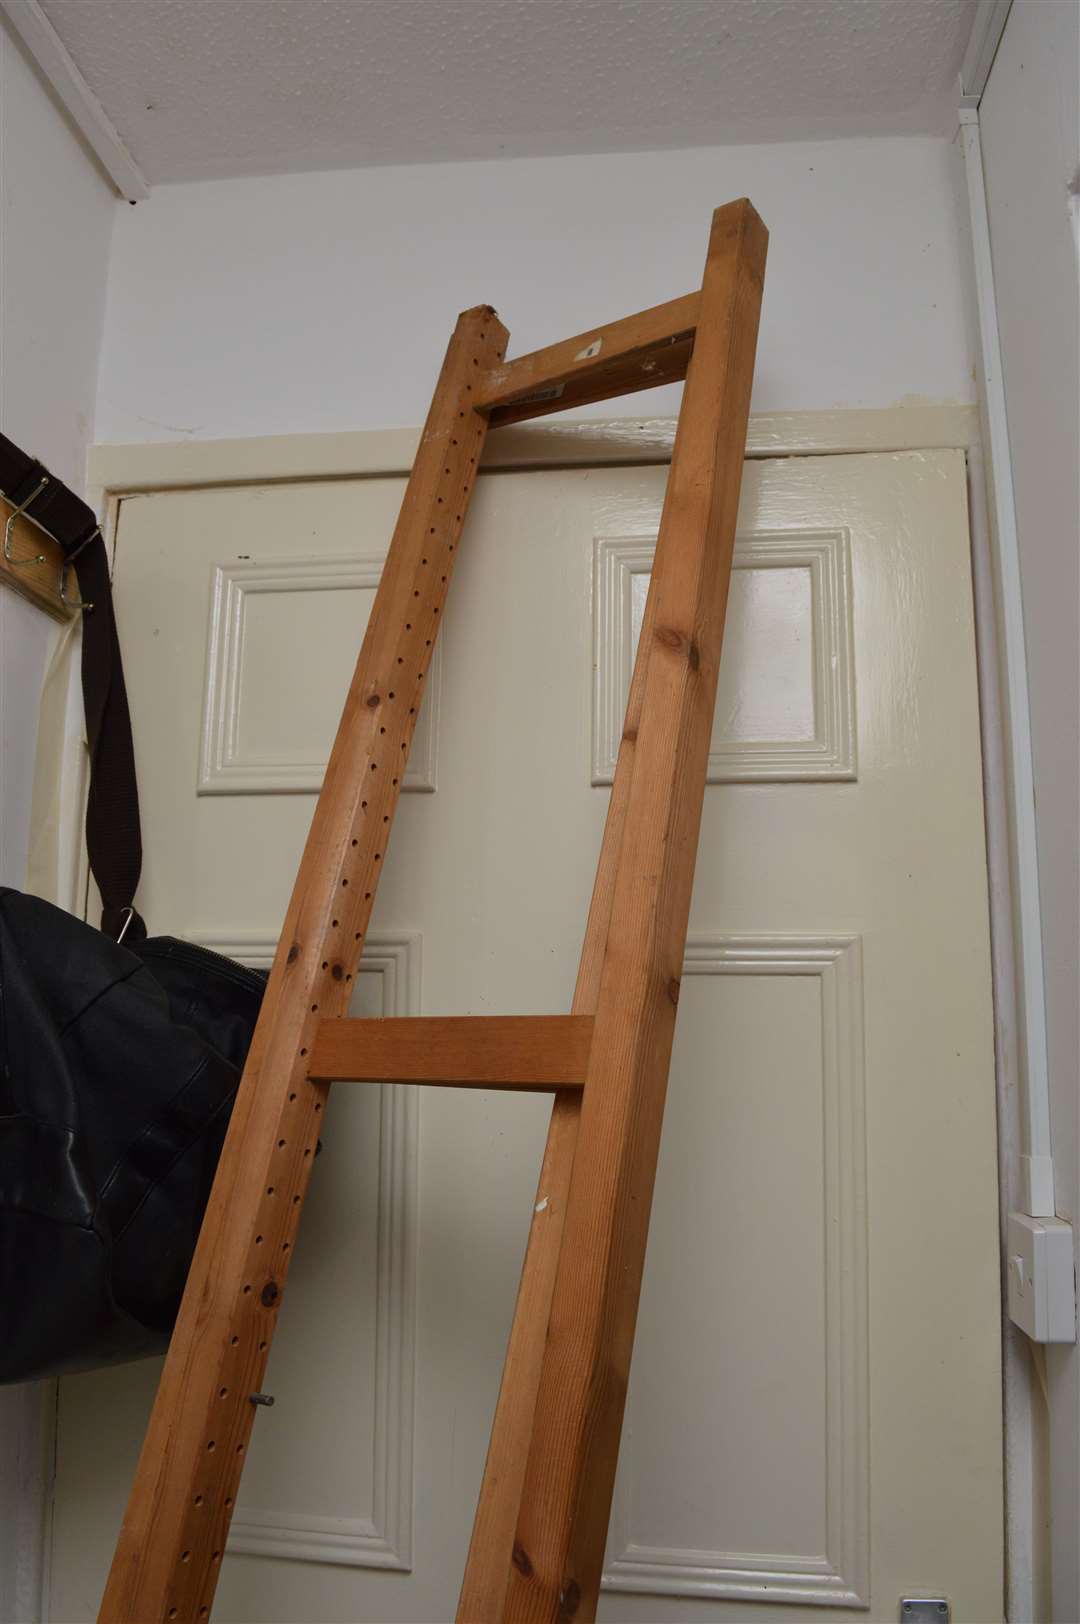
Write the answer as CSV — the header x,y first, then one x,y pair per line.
x,y
119,1070
119,1059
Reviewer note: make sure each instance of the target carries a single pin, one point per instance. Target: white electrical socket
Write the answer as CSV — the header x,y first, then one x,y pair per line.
x,y
1039,1270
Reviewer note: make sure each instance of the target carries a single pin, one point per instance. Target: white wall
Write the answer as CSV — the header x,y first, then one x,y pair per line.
x,y
56,216
324,301
1030,123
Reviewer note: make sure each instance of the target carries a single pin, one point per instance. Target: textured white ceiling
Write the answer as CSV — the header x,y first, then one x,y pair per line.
x,y
209,88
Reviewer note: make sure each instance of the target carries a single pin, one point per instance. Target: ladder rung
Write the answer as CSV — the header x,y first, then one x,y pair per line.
x,y
464,1051
649,348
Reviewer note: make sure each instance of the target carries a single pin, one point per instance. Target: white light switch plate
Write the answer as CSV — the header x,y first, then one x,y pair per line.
x,y
1039,1270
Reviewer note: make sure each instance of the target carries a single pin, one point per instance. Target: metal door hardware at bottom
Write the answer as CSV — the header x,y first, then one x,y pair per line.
x,y
924,1610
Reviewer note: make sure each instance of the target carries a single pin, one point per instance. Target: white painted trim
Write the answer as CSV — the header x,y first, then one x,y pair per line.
x,y
119,470
53,58
383,1540
830,755
1017,1394
841,1576
224,767
985,37
1037,1193
1012,855
27,1434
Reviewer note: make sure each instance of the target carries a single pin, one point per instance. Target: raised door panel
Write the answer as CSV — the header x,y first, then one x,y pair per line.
x,y
267,729
744,1470
330,1479
785,704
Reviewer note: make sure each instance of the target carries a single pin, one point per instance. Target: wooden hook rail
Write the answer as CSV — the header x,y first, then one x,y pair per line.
x,y
31,562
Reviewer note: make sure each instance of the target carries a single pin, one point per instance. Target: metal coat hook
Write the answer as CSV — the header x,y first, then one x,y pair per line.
x,y
76,603
21,563
61,517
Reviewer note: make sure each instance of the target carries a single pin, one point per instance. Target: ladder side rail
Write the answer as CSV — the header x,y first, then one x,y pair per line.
x,y
168,1556
558,1551
487,1569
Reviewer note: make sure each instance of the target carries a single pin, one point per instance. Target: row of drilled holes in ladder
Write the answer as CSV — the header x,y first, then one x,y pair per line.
x,y
441,500
270,1293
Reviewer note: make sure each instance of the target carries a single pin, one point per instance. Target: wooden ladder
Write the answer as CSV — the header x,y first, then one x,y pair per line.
x,y
541,1523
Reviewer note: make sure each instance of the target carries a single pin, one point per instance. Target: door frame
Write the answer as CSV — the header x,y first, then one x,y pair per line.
x,y
119,472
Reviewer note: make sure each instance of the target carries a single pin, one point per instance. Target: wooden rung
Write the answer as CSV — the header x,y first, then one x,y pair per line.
x,y
639,352
465,1051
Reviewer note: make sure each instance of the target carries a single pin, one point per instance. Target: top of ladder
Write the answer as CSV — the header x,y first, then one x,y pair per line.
x,y
639,352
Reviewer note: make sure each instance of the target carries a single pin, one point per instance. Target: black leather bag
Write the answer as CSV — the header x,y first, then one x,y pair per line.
x,y
119,1060
119,1070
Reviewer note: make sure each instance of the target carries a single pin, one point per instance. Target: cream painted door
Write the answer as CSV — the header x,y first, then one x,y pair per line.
x,y
814,1416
